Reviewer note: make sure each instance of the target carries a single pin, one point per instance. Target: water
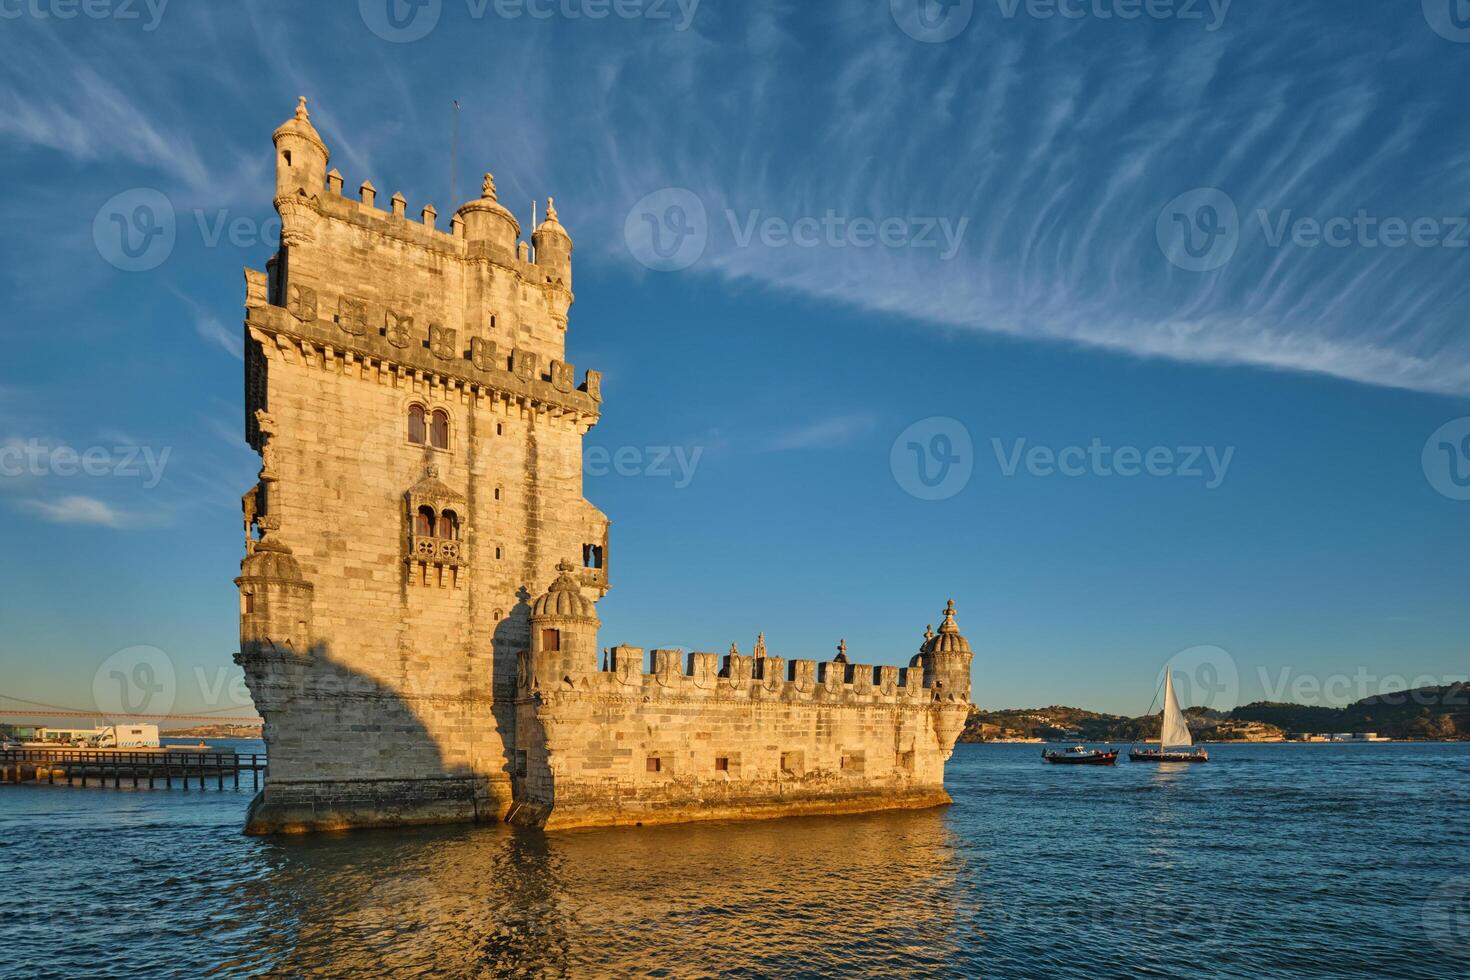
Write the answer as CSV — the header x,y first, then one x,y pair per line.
x,y
1272,860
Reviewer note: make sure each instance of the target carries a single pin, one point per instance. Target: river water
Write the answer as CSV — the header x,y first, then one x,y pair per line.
x,y
1271,860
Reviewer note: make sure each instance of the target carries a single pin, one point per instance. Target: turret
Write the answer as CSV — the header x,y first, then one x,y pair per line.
x,y
563,630
275,602
945,658
487,220
553,247
301,156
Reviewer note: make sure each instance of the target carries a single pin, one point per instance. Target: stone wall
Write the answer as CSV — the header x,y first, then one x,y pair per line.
x,y
738,738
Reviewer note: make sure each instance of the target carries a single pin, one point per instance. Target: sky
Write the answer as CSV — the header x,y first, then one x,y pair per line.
x,y
1137,330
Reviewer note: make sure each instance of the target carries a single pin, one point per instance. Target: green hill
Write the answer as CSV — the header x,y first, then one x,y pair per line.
x,y
1427,713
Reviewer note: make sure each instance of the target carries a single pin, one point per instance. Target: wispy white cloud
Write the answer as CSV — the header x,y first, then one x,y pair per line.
x,y
1062,151
76,509
216,333
826,433
1059,142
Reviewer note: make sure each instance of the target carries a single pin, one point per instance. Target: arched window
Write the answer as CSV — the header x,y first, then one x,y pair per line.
x,y
417,430
592,556
439,429
423,522
449,525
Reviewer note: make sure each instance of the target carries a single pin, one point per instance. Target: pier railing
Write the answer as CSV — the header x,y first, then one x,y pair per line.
x,y
114,766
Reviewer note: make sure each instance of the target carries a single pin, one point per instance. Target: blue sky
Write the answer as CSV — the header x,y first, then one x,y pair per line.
x,y
1171,233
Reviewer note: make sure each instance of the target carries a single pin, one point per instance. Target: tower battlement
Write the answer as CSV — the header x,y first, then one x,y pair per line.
x,y
368,269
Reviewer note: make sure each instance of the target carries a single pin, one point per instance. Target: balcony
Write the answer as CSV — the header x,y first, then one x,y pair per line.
x,y
438,551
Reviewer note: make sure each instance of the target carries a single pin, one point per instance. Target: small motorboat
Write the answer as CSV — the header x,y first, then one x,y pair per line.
x,y
1173,731
1081,755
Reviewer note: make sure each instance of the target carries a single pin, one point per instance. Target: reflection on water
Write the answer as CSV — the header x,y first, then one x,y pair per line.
x,y
871,893
1279,861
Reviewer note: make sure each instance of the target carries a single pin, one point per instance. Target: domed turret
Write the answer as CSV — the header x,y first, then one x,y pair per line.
x,y
301,156
553,247
563,630
487,220
945,657
564,599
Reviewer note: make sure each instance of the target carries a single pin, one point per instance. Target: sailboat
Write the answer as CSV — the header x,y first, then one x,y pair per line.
x,y
1173,733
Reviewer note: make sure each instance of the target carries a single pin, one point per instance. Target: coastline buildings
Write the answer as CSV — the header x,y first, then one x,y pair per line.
x,y
418,621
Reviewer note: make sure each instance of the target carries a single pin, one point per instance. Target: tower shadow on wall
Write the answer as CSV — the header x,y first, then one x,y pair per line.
x,y
512,635
377,741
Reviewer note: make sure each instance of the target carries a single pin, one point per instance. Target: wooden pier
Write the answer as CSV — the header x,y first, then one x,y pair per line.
x,y
133,767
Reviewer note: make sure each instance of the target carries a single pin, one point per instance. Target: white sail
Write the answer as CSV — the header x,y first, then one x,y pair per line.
x,y
1174,731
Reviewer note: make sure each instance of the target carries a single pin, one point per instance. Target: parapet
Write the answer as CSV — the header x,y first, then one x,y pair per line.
x,y
378,334
735,677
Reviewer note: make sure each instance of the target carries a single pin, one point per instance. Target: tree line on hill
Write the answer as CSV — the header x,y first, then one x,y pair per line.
x,y
1425,713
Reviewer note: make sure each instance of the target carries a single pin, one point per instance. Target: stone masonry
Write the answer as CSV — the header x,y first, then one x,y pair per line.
x,y
417,601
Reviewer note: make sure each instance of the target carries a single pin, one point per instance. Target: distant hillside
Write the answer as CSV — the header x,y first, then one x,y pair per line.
x,y
215,731
1431,713
1060,722
1425,713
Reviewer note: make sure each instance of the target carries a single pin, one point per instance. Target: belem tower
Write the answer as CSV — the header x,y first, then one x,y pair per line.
x,y
418,599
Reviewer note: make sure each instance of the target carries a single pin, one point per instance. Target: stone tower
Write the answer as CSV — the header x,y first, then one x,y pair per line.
x,y
418,622
420,430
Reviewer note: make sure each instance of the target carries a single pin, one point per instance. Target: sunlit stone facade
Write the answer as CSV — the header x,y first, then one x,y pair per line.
x,y
418,624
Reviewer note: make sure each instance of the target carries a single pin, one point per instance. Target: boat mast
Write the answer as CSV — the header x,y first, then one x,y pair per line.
x,y
1168,700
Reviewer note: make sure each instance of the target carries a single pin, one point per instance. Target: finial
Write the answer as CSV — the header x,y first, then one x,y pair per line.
x,y
929,632
760,646
550,208
487,187
734,650
948,626
565,567
842,650
301,112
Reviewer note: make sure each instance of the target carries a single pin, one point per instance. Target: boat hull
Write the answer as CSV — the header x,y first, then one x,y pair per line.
x,y
1145,756
1061,759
